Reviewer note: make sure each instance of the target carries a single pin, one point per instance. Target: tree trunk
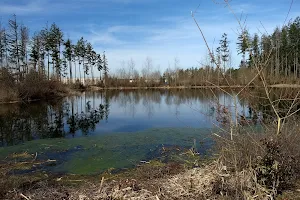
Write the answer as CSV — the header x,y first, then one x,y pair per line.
x,y
92,73
75,75
48,63
286,66
297,65
83,71
100,76
79,72
295,72
70,66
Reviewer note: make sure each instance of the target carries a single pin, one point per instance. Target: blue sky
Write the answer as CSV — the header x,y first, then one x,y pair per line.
x,y
160,29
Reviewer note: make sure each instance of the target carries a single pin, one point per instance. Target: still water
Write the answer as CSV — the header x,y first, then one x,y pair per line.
x,y
96,131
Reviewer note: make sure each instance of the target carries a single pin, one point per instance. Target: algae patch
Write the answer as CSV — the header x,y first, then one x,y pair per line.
x,y
96,154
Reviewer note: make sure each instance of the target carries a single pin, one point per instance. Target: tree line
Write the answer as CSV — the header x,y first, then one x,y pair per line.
x,y
48,52
278,53
283,48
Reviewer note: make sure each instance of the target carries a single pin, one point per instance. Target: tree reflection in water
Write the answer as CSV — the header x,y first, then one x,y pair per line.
x,y
20,123
83,114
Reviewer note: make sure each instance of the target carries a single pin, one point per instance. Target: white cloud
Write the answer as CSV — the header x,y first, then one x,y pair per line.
x,y
182,40
105,38
167,37
28,8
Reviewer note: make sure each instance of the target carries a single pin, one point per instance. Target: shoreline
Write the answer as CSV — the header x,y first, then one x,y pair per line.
x,y
96,88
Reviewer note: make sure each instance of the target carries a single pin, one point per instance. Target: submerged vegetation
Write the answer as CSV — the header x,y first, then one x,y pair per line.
x,y
250,166
106,156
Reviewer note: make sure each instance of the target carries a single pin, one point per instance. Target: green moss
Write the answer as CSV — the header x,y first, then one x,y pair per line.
x,y
156,163
96,154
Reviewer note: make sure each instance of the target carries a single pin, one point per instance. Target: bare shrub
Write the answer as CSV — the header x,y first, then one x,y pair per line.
x,y
7,84
78,85
36,86
273,159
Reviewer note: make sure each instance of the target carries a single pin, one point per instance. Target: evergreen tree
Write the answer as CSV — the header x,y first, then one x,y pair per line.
x,y
243,44
255,51
276,36
266,47
224,44
64,68
47,43
24,40
13,43
77,57
35,51
56,39
74,60
2,45
93,63
45,48
284,50
99,63
294,35
105,68
80,51
89,58
68,54
255,46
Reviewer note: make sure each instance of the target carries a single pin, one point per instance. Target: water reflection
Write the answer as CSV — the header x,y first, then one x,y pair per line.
x,y
114,111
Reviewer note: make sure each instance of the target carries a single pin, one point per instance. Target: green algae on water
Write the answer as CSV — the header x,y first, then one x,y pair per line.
x,y
96,154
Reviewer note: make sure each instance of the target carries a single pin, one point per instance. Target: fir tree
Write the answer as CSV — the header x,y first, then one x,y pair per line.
x,y
224,50
24,40
68,54
80,52
99,64
13,43
56,39
255,50
243,44
35,51
105,68
47,43
2,45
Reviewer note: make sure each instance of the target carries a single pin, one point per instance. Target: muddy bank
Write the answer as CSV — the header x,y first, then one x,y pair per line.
x,y
63,166
149,181
20,179
176,173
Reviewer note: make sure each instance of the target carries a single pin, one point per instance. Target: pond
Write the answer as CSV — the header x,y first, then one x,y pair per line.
x,y
96,131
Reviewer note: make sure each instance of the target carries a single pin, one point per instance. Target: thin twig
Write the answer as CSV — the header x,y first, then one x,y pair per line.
x,y
288,12
23,196
101,184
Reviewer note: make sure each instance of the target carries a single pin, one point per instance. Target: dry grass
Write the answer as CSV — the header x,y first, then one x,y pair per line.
x,y
211,182
271,161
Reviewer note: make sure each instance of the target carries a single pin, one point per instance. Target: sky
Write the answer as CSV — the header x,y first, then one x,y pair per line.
x,y
160,29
